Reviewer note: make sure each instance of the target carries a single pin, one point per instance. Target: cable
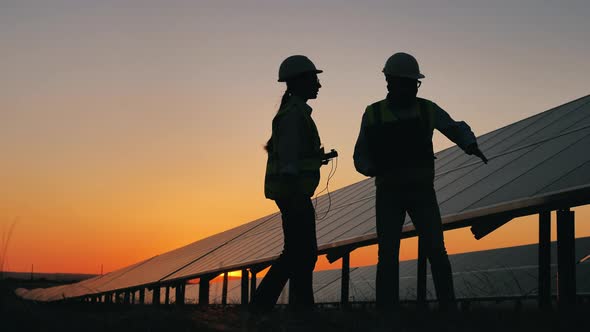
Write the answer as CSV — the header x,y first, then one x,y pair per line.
x,y
333,168
315,200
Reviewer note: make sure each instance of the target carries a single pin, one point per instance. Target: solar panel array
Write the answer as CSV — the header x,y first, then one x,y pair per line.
x,y
497,273
531,162
506,272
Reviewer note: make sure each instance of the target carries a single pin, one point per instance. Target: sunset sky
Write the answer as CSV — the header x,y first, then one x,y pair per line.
x,y
130,128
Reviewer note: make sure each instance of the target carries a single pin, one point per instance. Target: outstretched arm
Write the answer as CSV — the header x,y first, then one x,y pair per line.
x,y
459,132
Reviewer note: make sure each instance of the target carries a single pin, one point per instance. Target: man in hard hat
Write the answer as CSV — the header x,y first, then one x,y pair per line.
x,y
295,156
395,146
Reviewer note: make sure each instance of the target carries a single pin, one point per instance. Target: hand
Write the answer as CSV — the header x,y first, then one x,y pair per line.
x,y
473,149
371,172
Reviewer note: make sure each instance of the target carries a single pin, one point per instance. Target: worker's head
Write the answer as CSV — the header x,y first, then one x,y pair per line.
x,y
305,86
301,77
402,74
402,88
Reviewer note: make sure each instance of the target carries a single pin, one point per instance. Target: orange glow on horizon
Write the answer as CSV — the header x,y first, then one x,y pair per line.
x,y
129,131
123,253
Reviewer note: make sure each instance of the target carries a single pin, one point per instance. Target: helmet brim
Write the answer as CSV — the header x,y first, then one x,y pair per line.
x,y
317,71
416,77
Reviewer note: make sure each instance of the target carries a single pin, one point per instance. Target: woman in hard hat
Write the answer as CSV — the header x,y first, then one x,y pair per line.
x,y
292,175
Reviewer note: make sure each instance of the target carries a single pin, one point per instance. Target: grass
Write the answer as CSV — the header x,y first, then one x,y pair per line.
x,y
5,241
19,315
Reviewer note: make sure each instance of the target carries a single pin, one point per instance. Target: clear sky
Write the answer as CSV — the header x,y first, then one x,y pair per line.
x,y
130,128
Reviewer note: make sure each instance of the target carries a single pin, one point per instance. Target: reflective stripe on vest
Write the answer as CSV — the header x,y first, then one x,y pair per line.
x,y
378,114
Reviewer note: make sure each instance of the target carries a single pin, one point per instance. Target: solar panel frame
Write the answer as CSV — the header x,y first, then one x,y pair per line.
x,y
466,189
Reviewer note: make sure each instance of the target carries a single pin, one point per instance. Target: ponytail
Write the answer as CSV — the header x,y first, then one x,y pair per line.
x,y
285,98
267,146
284,101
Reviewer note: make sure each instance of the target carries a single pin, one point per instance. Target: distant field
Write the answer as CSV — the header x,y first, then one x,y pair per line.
x,y
66,277
19,315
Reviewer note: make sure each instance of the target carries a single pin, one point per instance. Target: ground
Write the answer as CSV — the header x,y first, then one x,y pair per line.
x,y
20,315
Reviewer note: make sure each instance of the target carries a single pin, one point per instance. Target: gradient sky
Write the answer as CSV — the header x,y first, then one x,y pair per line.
x,y
130,128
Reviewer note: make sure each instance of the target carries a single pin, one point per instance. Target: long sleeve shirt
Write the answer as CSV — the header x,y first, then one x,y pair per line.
x,y
289,135
457,131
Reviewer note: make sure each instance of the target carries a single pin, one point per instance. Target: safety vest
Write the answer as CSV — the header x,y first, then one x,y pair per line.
x,y
277,185
401,149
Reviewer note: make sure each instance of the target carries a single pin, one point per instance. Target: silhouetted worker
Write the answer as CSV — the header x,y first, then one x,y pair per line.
x,y
292,175
395,146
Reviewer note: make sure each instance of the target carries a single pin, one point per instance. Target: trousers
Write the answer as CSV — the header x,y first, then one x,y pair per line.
x,y
419,201
297,260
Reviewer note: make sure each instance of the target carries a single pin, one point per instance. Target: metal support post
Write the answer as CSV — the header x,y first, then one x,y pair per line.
x,y
345,280
167,295
142,296
291,293
224,289
252,283
545,260
180,293
421,279
245,287
126,297
204,291
156,295
566,259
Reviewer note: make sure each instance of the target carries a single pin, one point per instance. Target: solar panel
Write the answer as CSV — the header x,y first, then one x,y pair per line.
x,y
530,161
161,266
506,272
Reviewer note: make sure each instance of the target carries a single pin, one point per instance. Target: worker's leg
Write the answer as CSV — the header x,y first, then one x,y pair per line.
x,y
425,214
301,247
271,286
390,216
